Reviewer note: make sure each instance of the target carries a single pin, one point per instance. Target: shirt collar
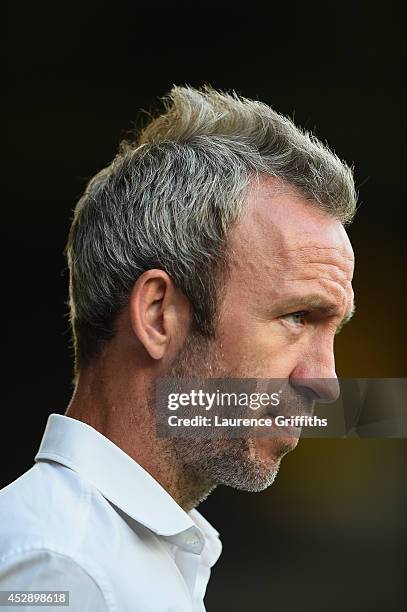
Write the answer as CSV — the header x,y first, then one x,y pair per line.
x,y
123,482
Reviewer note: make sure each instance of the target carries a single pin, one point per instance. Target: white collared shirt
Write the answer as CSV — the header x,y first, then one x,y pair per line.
x,y
90,520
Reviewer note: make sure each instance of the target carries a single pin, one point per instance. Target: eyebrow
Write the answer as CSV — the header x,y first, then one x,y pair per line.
x,y
346,318
316,302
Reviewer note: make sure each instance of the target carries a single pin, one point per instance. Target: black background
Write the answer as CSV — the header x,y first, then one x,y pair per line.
x,y
330,533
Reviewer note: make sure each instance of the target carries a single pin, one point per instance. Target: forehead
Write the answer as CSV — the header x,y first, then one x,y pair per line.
x,y
282,228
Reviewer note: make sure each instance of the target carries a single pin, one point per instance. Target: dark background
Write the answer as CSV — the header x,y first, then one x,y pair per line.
x,y
330,534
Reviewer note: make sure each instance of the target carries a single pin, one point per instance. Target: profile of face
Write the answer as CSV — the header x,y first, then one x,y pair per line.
x,y
287,294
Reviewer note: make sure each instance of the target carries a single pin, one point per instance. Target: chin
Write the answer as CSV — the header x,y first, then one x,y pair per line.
x,y
256,475
272,449
257,468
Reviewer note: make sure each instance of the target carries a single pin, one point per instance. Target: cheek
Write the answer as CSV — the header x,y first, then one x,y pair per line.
x,y
235,338
258,349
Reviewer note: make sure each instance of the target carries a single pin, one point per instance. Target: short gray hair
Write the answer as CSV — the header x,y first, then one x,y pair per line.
x,y
170,197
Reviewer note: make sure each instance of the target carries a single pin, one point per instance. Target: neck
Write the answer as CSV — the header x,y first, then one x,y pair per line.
x,y
124,413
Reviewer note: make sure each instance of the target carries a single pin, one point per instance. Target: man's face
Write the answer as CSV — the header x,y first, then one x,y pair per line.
x,y
288,291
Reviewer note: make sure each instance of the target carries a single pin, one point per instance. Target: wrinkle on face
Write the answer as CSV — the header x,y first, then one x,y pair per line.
x,y
283,249
286,239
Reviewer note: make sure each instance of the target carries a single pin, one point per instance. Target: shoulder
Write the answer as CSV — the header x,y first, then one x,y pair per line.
x,y
47,507
47,570
45,522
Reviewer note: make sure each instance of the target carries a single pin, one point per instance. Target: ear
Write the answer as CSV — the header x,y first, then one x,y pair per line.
x,y
159,313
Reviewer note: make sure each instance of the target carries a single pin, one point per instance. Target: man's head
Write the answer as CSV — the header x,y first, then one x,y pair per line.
x,y
214,246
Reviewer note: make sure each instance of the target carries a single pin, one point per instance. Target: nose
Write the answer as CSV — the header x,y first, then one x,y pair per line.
x,y
315,375
321,390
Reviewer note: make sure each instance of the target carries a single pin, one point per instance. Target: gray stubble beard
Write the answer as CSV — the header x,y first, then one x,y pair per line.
x,y
225,460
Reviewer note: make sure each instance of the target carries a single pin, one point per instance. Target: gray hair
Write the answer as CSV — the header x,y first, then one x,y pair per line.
x,y
169,199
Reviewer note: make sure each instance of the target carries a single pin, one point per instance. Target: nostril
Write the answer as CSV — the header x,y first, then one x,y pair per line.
x,y
321,390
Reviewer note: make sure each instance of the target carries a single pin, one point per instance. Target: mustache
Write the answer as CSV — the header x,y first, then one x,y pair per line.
x,y
291,405
294,399
294,408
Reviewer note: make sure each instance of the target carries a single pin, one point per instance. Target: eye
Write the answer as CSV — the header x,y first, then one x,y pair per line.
x,y
296,318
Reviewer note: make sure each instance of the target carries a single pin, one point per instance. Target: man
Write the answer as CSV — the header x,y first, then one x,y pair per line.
x,y
213,246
